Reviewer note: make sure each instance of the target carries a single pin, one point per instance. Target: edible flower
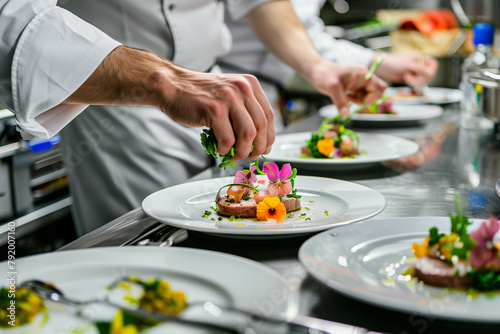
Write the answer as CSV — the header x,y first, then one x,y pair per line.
x,y
279,180
326,146
485,253
246,177
271,208
421,249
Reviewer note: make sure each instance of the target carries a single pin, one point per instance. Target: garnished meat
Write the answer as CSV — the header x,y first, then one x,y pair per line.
x,y
435,272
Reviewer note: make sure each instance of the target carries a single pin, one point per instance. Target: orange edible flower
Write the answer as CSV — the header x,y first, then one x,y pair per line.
x,y
325,146
421,250
271,208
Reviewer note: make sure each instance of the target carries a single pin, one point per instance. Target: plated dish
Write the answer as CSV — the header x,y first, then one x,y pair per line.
x,y
404,113
370,262
376,148
433,95
201,275
325,203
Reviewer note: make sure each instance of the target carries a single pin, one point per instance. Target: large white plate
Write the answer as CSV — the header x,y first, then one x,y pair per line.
x,y
378,148
497,188
365,261
203,275
405,113
325,203
434,95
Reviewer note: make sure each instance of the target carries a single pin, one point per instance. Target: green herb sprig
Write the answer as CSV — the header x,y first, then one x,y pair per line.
x,y
209,142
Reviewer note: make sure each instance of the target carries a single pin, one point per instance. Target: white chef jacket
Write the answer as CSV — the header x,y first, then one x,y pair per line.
x,y
41,44
250,55
116,156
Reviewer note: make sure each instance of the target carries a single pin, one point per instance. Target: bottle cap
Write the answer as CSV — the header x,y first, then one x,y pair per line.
x,y
483,33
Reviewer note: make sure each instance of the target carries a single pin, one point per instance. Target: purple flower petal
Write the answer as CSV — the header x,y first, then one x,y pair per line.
x,y
251,176
240,177
272,171
279,188
486,232
286,172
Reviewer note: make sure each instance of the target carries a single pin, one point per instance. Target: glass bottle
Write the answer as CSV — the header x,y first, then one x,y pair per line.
x,y
482,58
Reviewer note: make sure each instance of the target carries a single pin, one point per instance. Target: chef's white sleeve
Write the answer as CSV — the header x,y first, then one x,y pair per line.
x,y
46,54
238,9
336,50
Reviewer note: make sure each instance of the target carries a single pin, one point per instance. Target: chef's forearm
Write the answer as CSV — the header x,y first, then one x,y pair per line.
x,y
281,31
127,76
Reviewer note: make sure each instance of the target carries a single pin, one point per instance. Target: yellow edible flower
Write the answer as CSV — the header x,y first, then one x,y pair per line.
x,y
325,146
422,249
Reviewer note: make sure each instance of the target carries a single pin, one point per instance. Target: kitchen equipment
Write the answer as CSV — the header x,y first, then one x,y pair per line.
x,y
31,172
489,80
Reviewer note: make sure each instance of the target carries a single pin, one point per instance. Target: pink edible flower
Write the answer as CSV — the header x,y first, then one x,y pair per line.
x,y
279,184
484,252
246,177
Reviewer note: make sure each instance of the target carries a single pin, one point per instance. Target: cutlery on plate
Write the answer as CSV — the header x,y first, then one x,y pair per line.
x,y
261,324
50,292
251,324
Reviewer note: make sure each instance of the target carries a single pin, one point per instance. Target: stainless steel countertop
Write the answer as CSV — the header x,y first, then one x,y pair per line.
x,y
452,160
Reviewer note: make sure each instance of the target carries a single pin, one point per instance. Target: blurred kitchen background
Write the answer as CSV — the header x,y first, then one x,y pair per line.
x,y
33,182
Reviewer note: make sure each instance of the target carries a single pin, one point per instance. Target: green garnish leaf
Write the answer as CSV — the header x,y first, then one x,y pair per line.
x,y
209,142
434,236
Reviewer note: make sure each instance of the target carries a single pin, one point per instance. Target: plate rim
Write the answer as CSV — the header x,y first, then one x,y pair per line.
x,y
111,254
383,301
238,233
343,162
497,188
438,111
453,91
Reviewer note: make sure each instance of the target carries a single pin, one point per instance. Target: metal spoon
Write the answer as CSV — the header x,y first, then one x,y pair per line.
x,y
50,292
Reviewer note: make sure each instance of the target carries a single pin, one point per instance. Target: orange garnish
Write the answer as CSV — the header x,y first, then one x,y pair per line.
x,y
271,208
421,250
325,146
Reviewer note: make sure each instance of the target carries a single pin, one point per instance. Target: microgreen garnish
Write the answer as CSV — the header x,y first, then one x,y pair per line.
x,y
209,142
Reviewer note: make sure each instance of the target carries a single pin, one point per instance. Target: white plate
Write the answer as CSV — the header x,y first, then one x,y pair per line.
x,y
364,261
405,113
378,148
497,188
325,203
203,275
434,95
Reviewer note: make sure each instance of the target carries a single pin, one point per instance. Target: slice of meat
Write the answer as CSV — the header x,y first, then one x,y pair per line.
x,y
248,209
291,203
435,272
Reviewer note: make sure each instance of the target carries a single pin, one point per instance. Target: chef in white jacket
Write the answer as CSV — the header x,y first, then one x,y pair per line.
x,y
250,55
118,155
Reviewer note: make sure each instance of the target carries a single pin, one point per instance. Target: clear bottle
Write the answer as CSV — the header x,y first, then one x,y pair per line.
x,y
481,58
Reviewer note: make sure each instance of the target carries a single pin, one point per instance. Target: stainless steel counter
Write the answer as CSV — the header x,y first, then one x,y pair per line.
x,y
452,160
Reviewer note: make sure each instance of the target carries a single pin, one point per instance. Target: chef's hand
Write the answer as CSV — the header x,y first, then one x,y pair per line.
x,y
413,69
234,106
346,83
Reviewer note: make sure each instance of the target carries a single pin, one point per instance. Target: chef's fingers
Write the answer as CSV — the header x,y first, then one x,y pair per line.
x,y
263,118
223,129
244,130
374,88
340,98
420,71
369,93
